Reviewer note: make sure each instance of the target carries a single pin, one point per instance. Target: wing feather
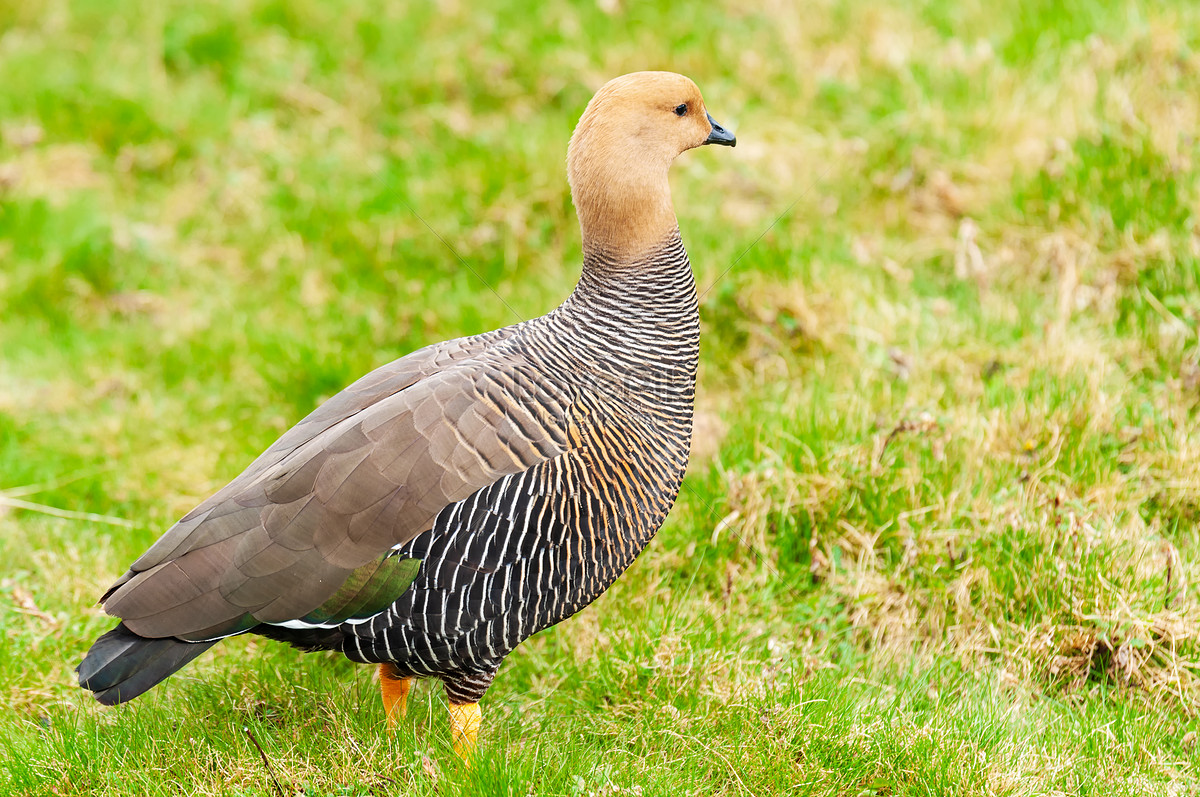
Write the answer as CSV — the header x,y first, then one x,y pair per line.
x,y
364,473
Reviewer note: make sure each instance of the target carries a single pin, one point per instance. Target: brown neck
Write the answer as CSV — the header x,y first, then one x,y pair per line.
x,y
625,228
624,207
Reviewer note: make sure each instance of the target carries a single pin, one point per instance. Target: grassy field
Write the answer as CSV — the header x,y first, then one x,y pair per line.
x,y
940,534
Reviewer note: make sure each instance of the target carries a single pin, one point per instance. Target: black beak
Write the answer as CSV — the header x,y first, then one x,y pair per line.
x,y
719,135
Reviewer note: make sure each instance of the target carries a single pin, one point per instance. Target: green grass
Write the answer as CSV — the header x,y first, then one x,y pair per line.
x,y
941,530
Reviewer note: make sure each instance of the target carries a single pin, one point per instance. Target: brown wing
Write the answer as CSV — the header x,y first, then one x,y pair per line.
x,y
367,471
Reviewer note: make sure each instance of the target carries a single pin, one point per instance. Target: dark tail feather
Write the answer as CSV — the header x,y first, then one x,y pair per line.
x,y
121,665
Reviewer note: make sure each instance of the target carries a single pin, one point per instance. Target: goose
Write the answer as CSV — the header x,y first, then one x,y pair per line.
x,y
448,505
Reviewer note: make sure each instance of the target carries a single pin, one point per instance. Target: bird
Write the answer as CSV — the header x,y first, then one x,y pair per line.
x,y
450,504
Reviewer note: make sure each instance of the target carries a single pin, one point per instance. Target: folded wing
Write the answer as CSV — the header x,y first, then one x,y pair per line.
x,y
301,534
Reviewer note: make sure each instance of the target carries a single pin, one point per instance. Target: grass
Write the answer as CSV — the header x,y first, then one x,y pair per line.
x,y
940,531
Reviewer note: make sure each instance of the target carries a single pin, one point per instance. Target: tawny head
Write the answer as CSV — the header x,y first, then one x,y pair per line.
x,y
620,153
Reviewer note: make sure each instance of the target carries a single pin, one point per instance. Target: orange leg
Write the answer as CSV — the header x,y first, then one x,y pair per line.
x,y
395,688
465,719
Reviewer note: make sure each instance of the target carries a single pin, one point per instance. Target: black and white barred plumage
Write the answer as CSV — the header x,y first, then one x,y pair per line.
x,y
535,547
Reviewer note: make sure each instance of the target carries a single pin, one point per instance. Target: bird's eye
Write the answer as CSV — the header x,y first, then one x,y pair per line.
x,y
681,109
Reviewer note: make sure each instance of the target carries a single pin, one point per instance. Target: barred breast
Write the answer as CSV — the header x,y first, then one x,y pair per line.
x,y
537,546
